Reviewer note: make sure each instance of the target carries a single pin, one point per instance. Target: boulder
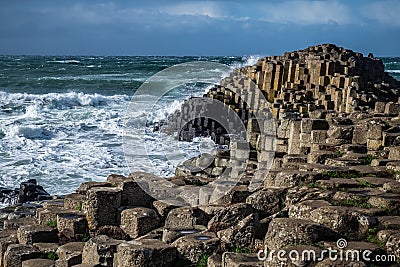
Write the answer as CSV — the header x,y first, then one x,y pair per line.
x,y
70,254
17,253
100,250
186,217
240,235
240,260
268,200
74,201
138,221
283,232
38,263
30,234
74,223
4,243
393,246
132,194
101,206
229,216
192,247
31,191
144,253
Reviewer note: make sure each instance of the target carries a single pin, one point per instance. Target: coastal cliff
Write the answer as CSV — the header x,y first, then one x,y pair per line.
x,y
321,135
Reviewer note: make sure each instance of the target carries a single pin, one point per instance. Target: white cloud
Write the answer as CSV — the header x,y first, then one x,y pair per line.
x,y
307,12
383,12
210,9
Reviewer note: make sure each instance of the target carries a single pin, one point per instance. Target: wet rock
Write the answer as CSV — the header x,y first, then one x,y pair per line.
x,y
192,247
31,191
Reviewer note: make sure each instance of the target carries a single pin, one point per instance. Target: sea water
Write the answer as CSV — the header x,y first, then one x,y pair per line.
x,y
62,118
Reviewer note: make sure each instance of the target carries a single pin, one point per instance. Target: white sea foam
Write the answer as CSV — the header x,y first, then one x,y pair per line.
x,y
393,71
66,61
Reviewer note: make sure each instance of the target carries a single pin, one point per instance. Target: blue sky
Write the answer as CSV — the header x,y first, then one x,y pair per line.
x,y
162,27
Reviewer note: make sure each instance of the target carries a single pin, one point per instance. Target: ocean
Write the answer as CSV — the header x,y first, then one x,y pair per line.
x,y
62,117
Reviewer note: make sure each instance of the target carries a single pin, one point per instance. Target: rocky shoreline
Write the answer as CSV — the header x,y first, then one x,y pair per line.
x,y
329,168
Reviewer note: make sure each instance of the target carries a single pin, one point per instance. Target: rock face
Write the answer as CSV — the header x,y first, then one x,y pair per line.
x,y
326,160
28,191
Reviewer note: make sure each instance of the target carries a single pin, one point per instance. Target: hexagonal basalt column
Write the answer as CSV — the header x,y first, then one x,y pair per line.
x,y
101,206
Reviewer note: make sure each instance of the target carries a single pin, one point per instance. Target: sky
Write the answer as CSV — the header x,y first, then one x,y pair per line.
x,y
172,27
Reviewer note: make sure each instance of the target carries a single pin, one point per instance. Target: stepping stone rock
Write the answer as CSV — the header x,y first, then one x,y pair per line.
x,y
74,223
240,260
229,216
101,206
186,217
192,247
240,235
70,254
100,250
286,231
171,234
139,221
30,234
38,263
267,201
144,253
17,253
132,194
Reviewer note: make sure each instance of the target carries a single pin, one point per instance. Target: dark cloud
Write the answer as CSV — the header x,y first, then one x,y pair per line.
x,y
195,27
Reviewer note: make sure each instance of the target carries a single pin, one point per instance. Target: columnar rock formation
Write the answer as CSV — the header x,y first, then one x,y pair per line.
x,y
334,156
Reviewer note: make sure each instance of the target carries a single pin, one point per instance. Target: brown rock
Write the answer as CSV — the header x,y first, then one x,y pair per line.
x,y
101,206
144,253
286,231
192,247
17,253
38,263
30,234
100,250
138,221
